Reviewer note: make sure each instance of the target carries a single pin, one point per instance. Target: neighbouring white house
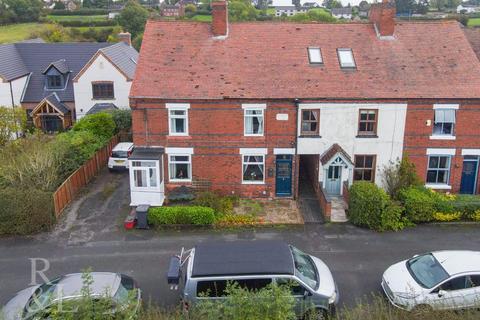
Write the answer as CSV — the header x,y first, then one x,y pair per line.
x,y
58,83
466,8
350,136
342,13
104,82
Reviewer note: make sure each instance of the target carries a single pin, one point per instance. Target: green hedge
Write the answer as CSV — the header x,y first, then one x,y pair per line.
x,y
369,206
25,211
78,24
195,215
80,12
419,204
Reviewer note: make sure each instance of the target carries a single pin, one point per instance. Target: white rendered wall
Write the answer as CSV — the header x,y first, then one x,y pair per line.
x,y
18,86
100,70
339,124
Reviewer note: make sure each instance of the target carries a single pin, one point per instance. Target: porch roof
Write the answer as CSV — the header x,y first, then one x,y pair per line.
x,y
147,153
332,151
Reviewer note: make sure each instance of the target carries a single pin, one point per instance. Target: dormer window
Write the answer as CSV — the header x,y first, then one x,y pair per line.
x,y
315,55
54,82
345,58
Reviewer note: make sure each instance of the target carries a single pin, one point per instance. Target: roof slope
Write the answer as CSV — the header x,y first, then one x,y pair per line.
x,y
123,56
242,258
11,63
38,56
473,36
269,60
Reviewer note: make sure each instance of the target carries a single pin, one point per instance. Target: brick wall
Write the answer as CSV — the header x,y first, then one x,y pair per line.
x,y
216,132
417,136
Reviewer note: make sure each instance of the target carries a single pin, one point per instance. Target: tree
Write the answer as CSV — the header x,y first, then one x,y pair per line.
x,y
12,123
438,4
241,10
133,18
422,7
331,4
399,175
24,10
59,5
405,6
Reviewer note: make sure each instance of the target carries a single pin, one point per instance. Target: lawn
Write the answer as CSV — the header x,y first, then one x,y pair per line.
x,y
202,18
474,22
18,32
271,11
77,18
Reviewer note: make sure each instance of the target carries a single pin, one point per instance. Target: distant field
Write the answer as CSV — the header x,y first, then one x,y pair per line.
x,y
202,18
18,32
76,18
474,22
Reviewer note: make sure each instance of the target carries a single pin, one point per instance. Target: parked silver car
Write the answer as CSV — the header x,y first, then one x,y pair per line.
x,y
37,300
438,280
203,273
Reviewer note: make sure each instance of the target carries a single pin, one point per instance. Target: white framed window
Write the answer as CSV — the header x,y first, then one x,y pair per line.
x,y
178,119
253,169
315,55
444,122
180,167
438,172
146,174
345,58
253,115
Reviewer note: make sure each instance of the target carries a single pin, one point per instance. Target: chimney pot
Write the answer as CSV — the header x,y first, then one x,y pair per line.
x,y
383,17
126,38
219,18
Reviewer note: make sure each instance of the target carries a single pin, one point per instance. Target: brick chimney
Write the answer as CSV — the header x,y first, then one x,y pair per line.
x,y
125,37
383,17
219,18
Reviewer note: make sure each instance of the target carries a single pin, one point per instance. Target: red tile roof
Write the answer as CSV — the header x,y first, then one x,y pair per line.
x,y
181,60
473,35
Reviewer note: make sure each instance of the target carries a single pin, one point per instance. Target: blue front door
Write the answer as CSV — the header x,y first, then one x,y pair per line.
x,y
283,185
469,175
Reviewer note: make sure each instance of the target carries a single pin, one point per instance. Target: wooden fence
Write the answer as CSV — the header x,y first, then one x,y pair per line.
x,y
81,177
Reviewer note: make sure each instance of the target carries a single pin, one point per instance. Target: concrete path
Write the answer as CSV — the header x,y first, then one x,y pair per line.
x,y
308,203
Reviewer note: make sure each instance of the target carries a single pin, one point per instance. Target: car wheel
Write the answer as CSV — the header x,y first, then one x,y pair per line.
x,y
317,314
422,309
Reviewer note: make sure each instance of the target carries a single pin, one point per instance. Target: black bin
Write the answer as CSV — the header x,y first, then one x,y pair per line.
x,y
141,212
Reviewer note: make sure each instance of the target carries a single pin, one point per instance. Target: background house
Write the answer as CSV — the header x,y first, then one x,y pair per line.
x,y
40,78
342,13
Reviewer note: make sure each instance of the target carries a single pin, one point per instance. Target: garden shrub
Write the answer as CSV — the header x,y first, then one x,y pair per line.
x,y
233,220
195,215
221,205
445,217
25,211
398,176
369,206
122,119
476,216
419,203
466,204
100,124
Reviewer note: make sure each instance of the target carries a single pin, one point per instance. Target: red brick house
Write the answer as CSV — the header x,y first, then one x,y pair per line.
x,y
252,108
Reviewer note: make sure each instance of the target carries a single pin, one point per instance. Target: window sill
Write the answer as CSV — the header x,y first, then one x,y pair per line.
x,y
178,135
253,182
442,137
103,99
180,181
314,136
438,186
254,135
367,136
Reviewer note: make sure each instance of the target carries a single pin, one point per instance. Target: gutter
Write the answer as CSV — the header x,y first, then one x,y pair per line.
x,y
297,105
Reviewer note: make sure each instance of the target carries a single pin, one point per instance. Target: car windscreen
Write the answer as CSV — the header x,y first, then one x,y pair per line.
x,y
426,270
119,154
305,268
41,297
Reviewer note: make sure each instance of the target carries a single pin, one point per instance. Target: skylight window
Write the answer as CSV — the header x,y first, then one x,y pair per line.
x,y
315,55
345,57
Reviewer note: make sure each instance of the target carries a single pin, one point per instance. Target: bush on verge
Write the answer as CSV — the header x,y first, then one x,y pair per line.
x,y
195,215
369,206
221,205
25,211
419,204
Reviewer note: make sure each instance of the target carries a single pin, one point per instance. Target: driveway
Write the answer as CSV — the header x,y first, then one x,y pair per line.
x,y
91,235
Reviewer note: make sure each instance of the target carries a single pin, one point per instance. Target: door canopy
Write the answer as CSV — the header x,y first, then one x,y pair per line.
x,y
335,155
